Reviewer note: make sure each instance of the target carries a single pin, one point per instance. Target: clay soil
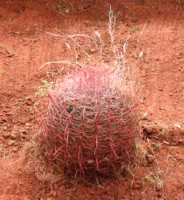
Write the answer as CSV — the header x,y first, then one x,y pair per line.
x,y
155,48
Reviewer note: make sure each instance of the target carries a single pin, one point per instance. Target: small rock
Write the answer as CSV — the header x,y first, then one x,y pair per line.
x,y
5,135
29,101
150,158
23,134
181,142
144,116
13,136
11,142
5,128
3,120
177,125
161,108
28,124
14,149
137,185
148,131
159,186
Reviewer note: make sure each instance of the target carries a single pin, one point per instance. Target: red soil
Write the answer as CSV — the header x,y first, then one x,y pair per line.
x,y
155,49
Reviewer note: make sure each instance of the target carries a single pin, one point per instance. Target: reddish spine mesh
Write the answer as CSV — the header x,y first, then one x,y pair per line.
x,y
90,125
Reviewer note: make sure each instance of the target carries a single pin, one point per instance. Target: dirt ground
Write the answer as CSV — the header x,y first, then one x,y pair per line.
x,y
155,48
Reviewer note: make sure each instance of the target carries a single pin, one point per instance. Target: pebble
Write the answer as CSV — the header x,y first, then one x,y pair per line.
x,y
150,158
11,142
29,101
23,134
144,116
13,135
5,128
10,135
14,149
137,185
